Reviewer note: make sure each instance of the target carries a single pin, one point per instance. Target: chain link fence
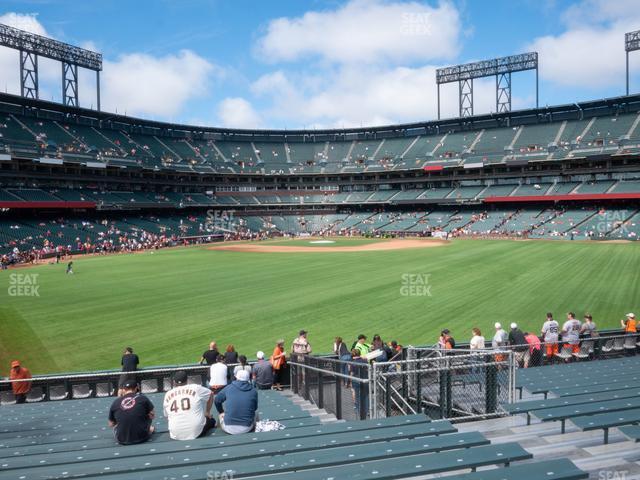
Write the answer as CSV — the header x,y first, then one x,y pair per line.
x,y
453,384
339,387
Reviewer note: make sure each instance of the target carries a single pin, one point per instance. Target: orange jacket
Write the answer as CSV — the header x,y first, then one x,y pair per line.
x,y
630,326
277,363
20,387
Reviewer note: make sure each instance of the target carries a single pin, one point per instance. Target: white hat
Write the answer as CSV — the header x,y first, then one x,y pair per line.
x,y
242,376
260,355
631,315
514,325
497,325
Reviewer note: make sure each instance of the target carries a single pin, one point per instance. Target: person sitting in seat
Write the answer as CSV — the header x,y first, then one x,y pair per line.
x,y
188,406
237,404
131,415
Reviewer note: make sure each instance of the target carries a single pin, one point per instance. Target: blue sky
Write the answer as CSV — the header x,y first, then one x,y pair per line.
x,y
291,64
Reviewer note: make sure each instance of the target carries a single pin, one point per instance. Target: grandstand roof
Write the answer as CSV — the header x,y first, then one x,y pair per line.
x,y
608,106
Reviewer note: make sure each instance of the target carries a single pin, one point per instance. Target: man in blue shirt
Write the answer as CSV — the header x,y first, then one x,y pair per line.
x,y
240,401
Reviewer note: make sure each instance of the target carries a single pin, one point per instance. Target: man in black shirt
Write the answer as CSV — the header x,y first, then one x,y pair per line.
x,y
210,356
131,416
129,363
129,360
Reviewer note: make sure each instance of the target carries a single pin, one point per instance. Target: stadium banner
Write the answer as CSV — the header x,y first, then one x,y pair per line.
x,y
33,205
50,161
563,198
517,161
474,164
96,165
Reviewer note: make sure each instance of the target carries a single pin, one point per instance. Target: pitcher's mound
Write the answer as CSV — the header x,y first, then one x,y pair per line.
x,y
395,244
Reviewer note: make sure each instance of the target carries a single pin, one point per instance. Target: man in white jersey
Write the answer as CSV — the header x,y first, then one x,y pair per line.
x,y
550,330
499,341
187,407
571,332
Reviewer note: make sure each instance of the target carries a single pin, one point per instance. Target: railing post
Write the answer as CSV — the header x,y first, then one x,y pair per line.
x,y
338,368
387,396
320,390
445,390
304,376
404,375
418,382
362,403
491,389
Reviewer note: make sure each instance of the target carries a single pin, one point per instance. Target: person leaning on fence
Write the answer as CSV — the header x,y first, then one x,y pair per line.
x,y
237,405
446,341
262,373
518,342
499,341
301,345
131,415
360,390
129,362
533,356
629,325
477,340
588,329
278,361
210,356
550,329
218,375
361,345
342,352
20,389
571,333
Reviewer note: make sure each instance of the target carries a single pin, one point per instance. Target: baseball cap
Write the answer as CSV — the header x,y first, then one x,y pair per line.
x,y
180,377
514,325
260,355
15,364
242,376
302,332
130,383
631,315
497,325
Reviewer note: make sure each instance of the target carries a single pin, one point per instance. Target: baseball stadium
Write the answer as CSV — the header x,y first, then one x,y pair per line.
x,y
358,252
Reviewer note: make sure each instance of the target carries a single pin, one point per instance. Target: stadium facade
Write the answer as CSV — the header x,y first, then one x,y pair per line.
x,y
567,171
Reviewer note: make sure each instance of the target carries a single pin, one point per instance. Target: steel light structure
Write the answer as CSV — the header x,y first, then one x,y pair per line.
x,y
631,44
502,68
32,46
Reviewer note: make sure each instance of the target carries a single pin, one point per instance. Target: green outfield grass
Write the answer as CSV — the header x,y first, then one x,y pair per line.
x,y
170,304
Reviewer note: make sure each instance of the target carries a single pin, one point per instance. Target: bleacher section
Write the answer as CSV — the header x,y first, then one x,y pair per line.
x,y
69,439
188,150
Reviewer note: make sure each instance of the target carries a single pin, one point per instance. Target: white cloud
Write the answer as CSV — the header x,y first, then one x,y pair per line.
x,y
48,71
351,96
135,83
366,31
236,112
141,84
590,52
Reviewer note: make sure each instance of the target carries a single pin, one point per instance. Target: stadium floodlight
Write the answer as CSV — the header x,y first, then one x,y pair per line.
x,y
32,46
502,68
631,44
